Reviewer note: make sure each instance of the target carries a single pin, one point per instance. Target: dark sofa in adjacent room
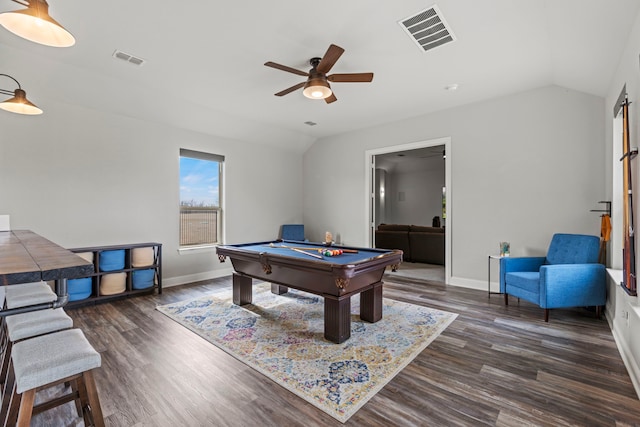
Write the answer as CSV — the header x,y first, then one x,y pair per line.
x,y
418,243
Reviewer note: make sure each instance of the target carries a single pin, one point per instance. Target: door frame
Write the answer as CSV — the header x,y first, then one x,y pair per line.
x,y
370,186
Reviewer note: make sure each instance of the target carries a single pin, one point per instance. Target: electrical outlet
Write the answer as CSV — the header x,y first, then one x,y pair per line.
x,y
627,319
625,315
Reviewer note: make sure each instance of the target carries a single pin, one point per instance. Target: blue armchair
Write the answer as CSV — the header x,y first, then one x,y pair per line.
x,y
292,232
569,276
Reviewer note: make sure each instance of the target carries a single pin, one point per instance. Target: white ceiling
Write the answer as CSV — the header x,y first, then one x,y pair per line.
x,y
204,59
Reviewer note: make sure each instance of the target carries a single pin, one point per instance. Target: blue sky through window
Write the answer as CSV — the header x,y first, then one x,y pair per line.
x,y
199,182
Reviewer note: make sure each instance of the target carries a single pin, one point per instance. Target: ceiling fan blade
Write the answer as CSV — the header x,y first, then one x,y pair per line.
x,y
329,59
291,89
331,98
354,77
285,68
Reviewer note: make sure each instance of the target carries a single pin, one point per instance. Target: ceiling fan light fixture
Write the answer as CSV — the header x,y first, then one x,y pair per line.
x,y
317,84
317,89
35,24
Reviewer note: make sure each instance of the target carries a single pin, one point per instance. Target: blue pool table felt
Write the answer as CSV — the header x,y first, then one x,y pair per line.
x,y
346,258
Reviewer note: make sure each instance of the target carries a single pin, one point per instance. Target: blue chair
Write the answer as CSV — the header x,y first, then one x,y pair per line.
x,y
292,232
569,276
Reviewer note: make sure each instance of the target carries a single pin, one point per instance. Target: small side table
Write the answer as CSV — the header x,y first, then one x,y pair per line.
x,y
498,257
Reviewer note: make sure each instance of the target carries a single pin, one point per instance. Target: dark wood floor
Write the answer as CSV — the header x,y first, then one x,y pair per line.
x,y
494,365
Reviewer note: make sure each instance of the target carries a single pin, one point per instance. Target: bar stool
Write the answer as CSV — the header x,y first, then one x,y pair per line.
x,y
19,327
25,294
25,325
30,324
22,295
22,326
47,360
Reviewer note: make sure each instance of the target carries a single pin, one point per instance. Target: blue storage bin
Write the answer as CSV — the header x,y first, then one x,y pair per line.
x,y
143,279
112,260
79,289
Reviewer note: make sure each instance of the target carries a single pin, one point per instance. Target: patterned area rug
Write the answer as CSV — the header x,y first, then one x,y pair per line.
x,y
282,336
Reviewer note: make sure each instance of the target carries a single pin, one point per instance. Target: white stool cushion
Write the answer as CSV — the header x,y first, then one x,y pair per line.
x,y
142,257
113,283
25,294
49,358
34,323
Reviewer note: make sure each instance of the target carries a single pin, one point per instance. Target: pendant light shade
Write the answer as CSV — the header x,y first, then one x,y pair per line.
x,y
317,88
19,104
35,24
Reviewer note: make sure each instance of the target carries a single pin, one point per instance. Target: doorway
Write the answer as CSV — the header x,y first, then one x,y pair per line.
x,y
380,208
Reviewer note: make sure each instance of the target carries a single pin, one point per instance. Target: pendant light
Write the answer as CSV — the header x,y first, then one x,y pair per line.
x,y
35,24
19,104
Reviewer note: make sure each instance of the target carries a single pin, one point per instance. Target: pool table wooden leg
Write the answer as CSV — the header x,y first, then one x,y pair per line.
x,y
337,318
371,303
242,289
278,289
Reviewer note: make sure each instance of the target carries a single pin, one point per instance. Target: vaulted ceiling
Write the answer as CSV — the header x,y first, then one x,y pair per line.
x,y
204,69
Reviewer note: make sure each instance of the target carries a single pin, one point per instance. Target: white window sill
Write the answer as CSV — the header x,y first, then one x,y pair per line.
x,y
196,249
616,276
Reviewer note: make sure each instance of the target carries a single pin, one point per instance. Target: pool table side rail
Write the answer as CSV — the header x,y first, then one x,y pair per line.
x,y
238,248
320,277
386,256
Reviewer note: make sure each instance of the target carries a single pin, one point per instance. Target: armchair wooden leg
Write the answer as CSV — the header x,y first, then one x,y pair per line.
x,y
599,311
546,314
506,298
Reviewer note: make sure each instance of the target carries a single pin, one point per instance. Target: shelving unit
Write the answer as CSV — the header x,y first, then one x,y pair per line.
x,y
129,268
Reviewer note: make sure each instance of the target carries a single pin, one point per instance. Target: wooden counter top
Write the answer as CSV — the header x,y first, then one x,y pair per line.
x,y
28,257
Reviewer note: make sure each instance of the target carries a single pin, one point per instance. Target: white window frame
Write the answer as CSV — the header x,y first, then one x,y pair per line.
x,y
219,209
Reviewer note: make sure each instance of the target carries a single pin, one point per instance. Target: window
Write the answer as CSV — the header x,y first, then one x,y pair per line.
x,y
200,207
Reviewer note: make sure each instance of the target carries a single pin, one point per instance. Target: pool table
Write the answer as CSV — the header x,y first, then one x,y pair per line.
x,y
299,265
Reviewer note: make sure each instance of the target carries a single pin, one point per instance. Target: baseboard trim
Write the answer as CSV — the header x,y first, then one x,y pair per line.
x,y
632,367
627,356
197,277
480,285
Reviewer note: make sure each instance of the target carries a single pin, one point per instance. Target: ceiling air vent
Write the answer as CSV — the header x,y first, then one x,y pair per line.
x,y
428,28
129,58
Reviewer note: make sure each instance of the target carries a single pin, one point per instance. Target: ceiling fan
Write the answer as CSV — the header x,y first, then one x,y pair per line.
x,y
317,84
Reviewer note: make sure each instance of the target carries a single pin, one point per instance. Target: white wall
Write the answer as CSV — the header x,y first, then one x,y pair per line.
x,y
523,167
421,190
623,311
85,178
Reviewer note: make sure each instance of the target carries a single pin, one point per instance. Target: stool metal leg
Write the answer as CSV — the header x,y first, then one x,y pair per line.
x,y
13,404
7,390
4,365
